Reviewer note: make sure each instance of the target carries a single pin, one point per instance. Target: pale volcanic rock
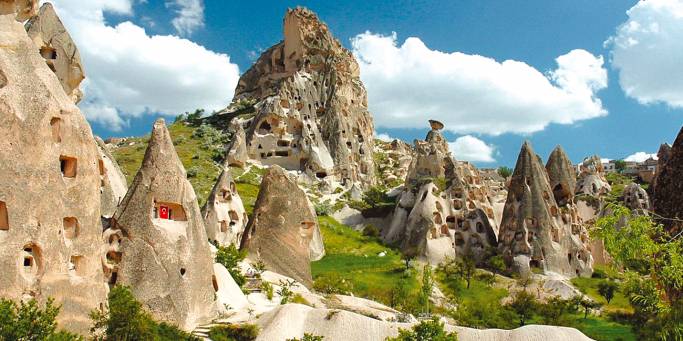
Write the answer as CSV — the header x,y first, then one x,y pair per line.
x,y
592,178
636,198
113,186
59,51
311,105
284,232
667,200
50,230
224,214
237,150
562,176
535,231
442,198
158,245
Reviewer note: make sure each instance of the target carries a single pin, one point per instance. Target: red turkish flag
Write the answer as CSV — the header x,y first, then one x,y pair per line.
x,y
163,212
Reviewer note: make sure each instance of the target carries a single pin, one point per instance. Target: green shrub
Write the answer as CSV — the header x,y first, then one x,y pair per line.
x,y
323,208
332,284
126,320
431,330
504,171
308,337
300,300
267,288
599,273
371,231
28,321
285,291
234,332
192,172
230,256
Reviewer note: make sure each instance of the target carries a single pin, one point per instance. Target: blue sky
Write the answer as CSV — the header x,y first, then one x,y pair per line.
x,y
531,32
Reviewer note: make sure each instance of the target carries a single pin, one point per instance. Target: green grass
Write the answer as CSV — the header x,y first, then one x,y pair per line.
x,y
189,150
589,286
600,329
478,292
355,257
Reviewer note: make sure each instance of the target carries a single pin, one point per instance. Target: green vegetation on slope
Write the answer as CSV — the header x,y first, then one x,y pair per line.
x,y
199,149
356,258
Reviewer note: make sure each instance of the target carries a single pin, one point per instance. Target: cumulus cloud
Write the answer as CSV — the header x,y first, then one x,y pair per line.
x,y
647,51
411,83
131,73
470,148
384,137
190,15
640,157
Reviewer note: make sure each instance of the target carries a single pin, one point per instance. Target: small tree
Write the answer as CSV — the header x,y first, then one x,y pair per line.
x,y
229,257
588,305
308,337
426,290
524,305
620,165
607,289
497,264
28,321
504,171
467,268
430,330
285,290
407,259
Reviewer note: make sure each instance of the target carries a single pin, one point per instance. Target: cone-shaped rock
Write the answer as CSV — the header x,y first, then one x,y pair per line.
x,y
50,231
668,193
284,233
113,186
535,232
562,176
636,198
237,151
311,105
58,50
158,245
224,214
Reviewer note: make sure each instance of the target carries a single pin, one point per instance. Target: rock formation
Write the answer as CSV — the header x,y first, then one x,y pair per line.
x,y
224,214
311,105
668,192
537,233
158,244
562,176
444,205
284,232
663,155
393,162
59,51
636,198
113,186
237,150
592,178
50,229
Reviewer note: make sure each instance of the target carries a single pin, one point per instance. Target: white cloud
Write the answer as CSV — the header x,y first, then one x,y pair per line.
x,y
640,157
384,137
470,148
411,83
190,15
647,51
130,73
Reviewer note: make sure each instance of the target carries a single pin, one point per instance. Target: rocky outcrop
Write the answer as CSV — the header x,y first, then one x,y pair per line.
x,y
443,200
224,214
158,244
113,186
668,192
311,105
535,231
293,320
636,198
58,50
592,178
392,161
284,232
50,231
663,155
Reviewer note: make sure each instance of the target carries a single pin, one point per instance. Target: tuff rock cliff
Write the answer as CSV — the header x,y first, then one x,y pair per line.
x,y
592,178
50,230
158,244
59,51
113,186
668,192
535,231
311,106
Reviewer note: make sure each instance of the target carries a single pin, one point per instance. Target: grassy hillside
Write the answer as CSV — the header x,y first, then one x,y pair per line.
x,y
357,259
199,149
